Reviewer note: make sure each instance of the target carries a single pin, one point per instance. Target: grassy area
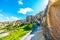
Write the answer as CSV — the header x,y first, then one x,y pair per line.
x,y
17,32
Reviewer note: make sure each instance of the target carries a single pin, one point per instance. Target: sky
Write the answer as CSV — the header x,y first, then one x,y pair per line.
x,y
11,10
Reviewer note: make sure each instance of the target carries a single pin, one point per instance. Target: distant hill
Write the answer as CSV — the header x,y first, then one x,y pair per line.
x,y
35,19
29,19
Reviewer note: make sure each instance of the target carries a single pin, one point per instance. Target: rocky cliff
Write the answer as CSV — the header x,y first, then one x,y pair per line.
x,y
53,19
35,19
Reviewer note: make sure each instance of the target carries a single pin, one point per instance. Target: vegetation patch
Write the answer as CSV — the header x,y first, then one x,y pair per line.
x,y
17,32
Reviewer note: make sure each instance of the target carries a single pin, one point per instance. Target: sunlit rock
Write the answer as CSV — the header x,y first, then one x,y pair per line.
x,y
53,19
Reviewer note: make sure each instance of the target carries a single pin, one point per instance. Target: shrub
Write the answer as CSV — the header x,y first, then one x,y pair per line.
x,y
17,32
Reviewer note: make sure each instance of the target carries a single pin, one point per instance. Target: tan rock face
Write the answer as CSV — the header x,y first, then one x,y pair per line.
x,y
52,1
54,19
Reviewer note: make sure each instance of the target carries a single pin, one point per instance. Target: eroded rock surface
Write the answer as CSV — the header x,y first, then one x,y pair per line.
x,y
53,19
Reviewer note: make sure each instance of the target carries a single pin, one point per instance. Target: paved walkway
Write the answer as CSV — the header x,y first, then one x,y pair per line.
x,y
35,34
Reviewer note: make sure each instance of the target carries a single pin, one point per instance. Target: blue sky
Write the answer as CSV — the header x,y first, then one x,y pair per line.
x,y
11,10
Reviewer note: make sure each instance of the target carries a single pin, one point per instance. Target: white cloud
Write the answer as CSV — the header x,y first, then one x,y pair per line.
x,y
20,2
7,18
25,10
14,18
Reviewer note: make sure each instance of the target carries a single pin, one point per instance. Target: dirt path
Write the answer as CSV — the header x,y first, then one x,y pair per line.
x,y
3,34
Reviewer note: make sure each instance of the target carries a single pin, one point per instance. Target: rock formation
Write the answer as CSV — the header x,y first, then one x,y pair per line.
x,y
53,20
35,19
